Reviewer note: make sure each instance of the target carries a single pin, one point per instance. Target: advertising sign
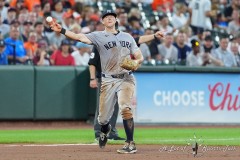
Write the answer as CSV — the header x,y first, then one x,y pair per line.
x,y
187,98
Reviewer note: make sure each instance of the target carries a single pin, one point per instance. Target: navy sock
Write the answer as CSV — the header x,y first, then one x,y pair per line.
x,y
129,129
104,128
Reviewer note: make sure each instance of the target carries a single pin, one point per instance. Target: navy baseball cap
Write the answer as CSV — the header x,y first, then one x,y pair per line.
x,y
65,42
109,12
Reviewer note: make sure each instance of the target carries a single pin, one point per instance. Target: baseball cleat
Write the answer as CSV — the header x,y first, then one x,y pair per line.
x,y
103,137
102,140
128,148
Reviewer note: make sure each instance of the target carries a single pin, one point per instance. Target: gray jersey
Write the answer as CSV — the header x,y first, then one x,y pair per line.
x,y
112,49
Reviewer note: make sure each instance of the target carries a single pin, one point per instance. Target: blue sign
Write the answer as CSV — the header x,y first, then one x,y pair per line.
x,y
187,98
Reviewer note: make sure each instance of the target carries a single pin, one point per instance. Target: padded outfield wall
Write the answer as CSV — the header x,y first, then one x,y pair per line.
x,y
165,94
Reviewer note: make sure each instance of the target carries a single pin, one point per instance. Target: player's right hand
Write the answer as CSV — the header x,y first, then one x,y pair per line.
x,y
160,34
55,26
93,83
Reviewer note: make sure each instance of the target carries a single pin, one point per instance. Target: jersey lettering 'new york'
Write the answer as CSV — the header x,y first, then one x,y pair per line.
x,y
112,44
112,49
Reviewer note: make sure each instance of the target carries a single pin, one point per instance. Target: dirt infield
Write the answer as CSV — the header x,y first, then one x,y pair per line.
x,y
93,152
90,152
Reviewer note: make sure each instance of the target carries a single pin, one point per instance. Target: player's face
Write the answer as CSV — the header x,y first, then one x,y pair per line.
x,y
109,21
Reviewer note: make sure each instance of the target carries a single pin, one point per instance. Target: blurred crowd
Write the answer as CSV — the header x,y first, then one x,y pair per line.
x,y
197,32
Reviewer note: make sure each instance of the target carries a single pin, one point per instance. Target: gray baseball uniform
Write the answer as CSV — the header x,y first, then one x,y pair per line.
x,y
116,81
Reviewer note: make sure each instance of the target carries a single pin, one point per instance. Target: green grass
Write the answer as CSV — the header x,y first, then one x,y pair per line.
x,y
210,136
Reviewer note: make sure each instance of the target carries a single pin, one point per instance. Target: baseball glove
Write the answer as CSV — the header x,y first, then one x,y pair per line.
x,y
129,64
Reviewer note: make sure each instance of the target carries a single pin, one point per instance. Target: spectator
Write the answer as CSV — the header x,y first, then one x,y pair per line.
x,y
86,14
27,26
76,28
57,10
163,5
39,29
31,45
3,54
77,18
223,55
183,49
99,27
3,10
33,17
145,51
235,52
179,18
41,57
236,39
234,25
167,50
199,36
134,14
23,10
28,3
37,9
194,58
56,39
123,22
127,5
22,17
228,10
163,24
82,54
189,35
67,4
200,15
208,46
18,6
4,28
136,27
62,57
46,8
11,16
67,20
15,23
18,55
209,57
31,3
153,45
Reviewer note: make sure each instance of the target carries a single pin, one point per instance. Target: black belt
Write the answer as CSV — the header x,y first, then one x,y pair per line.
x,y
120,76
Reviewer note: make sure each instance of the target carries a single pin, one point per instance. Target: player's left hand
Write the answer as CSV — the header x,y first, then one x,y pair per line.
x,y
130,64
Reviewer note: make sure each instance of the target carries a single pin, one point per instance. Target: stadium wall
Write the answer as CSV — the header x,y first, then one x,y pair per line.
x,y
165,94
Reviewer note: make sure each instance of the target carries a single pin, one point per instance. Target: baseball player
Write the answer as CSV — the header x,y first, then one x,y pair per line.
x,y
95,81
95,71
118,83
